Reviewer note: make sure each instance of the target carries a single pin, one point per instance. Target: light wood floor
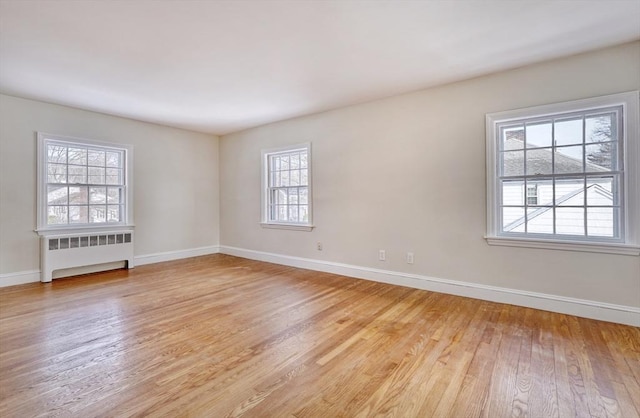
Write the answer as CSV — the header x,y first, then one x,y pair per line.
x,y
222,336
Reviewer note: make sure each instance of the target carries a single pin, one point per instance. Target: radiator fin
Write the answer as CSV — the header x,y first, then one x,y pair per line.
x,y
88,241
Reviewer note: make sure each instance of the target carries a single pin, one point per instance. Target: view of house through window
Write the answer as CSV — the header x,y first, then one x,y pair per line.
x,y
566,175
83,183
561,175
287,186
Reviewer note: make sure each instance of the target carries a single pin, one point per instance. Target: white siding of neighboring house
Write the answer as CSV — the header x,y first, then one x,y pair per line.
x,y
570,221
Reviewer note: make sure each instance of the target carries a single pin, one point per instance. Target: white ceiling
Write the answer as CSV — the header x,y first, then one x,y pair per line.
x,y
223,66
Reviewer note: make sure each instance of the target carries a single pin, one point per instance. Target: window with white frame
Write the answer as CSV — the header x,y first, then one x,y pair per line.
x,y
532,194
287,187
566,175
82,183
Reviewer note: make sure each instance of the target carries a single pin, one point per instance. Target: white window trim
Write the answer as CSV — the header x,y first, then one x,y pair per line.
x,y
41,224
630,102
265,222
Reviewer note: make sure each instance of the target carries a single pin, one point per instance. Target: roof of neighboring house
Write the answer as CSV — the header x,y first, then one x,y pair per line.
x,y
539,159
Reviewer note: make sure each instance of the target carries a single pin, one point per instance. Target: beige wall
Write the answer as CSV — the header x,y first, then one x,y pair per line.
x,y
407,173
176,198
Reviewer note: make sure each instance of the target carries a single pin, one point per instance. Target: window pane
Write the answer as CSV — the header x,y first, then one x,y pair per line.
x,y
98,195
570,221
113,195
78,195
57,195
512,192
513,219
599,128
294,161
304,195
56,173
77,174
294,177
293,214
78,214
114,159
600,222
568,160
601,157
513,163
538,135
541,191
303,160
284,178
96,175
600,191
293,196
539,161
512,137
540,220
96,158
568,131
284,162
113,213
281,212
304,213
570,192
56,215
114,176
78,156
304,177
57,154
97,214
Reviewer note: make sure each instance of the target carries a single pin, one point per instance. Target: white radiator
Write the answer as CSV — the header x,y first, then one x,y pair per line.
x,y
87,249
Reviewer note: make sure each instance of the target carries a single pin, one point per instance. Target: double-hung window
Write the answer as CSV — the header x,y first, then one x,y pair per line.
x,y
82,183
286,195
566,176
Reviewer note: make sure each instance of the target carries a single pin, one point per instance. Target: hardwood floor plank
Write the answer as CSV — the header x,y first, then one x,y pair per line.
x,y
229,337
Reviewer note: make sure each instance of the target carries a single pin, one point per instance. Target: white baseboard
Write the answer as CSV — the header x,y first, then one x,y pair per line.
x,y
20,277
621,314
33,276
175,255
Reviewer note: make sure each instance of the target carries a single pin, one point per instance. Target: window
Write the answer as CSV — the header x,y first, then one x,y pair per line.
x,y
286,201
82,184
566,175
532,194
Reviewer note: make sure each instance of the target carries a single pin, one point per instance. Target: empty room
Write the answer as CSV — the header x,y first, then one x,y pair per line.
x,y
320,208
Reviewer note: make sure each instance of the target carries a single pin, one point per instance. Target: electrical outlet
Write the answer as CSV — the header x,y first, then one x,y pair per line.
x,y
382,255
319,246
409,258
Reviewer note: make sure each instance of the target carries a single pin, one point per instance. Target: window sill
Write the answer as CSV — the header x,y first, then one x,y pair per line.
x,y
607,248
43,232
292,227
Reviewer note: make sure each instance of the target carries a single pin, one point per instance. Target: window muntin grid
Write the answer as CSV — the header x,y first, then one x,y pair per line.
x,y
574,162
84,184
288,199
